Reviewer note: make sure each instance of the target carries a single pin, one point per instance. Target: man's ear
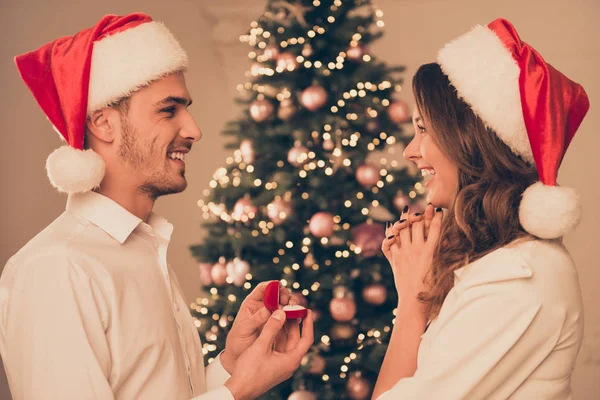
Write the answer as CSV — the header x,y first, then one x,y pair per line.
x,y
102,124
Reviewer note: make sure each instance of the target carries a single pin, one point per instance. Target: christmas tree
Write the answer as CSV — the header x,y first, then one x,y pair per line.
x,y
314,177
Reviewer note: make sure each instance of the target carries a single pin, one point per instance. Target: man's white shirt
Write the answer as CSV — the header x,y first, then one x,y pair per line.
x,y
90,309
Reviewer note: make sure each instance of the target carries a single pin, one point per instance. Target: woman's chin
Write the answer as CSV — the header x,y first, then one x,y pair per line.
x,y
434,198
430,199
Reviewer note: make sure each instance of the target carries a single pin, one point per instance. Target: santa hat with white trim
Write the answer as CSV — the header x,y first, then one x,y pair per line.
x,y
533,108
74,76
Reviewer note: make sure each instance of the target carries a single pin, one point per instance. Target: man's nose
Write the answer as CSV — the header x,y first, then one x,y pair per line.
x,y
191,130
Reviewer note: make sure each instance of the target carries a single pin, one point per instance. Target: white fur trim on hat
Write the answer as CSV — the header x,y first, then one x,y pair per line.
x,y
486,77
549,212
129,60
74,171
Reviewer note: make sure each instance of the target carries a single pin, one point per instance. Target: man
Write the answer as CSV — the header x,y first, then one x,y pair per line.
x,y
90,308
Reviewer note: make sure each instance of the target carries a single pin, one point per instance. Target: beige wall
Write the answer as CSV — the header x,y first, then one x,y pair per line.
x,y
566,33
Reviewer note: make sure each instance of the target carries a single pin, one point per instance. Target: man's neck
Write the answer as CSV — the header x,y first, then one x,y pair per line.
x,y
135,201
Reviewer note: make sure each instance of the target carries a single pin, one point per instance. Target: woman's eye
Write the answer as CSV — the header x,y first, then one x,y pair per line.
x,y
421,128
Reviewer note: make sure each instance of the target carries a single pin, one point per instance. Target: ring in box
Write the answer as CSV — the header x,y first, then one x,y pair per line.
x,y
271,301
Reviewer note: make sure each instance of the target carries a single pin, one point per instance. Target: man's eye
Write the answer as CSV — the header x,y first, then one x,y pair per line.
x,y
170,110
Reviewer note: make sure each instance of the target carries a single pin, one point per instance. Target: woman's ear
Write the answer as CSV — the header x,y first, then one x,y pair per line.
x,y
101,125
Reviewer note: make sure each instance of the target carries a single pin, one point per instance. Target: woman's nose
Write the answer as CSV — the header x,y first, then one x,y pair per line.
x,y
412,151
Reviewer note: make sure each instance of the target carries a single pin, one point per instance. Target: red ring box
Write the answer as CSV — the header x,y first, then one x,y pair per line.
x,y
271,302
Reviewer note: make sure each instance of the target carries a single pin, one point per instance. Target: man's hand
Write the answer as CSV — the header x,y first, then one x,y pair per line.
x,y
262,366
248,324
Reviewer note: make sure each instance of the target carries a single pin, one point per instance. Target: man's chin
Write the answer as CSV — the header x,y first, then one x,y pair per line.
x,y
177,187
164,190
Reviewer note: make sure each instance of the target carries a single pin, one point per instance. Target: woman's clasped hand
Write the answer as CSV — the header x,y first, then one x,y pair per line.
x,y
409,247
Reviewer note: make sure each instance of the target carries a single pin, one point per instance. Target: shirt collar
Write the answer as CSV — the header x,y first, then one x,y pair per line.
x,y
111,217
162,228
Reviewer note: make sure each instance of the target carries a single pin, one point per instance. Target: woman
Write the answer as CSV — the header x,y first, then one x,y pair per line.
x,y
499,289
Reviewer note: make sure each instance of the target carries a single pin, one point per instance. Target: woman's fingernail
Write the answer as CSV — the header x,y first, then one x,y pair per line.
x,y
391,237
417,214
438,209
405,209
402,220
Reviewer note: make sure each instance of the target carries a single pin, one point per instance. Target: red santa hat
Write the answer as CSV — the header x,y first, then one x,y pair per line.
x,y
531,106
74,76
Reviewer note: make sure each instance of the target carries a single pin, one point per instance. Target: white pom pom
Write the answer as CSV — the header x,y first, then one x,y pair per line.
x,y
549,212
74,171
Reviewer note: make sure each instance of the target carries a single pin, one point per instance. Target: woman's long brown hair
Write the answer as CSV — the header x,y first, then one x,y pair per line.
x,y
491,181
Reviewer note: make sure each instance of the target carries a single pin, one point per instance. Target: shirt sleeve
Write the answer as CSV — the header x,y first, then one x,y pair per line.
x,y
484,349
221,393
216,375
64,354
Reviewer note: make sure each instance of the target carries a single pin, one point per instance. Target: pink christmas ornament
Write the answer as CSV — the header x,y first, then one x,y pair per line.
x,y
237,270
205,273
358,387
368,236
261,110
286,61
399,112
401,200
355,53
313,97
342,307
309,260
287,109
219,273
341,331
302,395
244,210
307,50
278,210
367,175
298,155
316,364
321,224
375,294
328,145
247,150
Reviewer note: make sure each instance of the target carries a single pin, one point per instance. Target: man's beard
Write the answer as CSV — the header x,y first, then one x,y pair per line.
x,y
139,157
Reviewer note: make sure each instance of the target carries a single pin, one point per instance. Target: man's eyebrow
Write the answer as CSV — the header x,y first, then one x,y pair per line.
x,y
173,99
